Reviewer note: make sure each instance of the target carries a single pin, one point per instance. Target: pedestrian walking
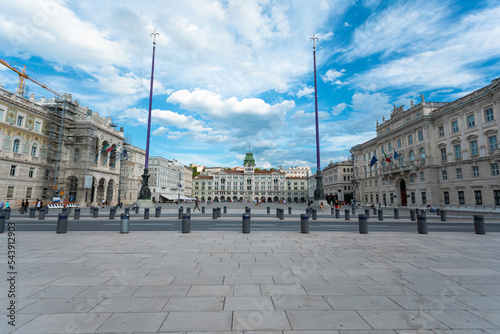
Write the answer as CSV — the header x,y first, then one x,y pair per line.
x,y
7,205
196,206
38,205
21,208
1,205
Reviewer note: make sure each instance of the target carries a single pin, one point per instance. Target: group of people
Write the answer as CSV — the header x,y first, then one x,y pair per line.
x,y
6,204
25,204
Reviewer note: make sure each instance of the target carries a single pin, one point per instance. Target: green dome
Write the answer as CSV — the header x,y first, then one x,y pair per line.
x,y
249,159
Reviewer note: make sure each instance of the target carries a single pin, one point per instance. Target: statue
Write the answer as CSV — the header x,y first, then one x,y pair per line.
x,y
411,103
422,97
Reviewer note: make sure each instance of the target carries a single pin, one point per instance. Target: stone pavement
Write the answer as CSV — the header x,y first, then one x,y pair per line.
x,y
263,282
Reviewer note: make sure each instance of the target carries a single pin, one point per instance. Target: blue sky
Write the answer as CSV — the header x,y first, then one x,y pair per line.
x,y
229,74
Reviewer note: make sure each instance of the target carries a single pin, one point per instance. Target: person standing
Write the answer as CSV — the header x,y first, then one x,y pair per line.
x,y
21,208
26,205
1,205
38,205
196,205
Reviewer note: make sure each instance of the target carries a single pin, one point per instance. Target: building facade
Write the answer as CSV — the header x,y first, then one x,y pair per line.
x,y
338,182
440,154
169,180
56,150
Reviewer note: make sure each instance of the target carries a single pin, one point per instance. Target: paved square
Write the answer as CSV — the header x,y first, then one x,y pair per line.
x,y
262,282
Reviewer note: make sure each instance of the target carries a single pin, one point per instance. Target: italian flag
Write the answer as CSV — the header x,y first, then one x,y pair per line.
x,y
386,158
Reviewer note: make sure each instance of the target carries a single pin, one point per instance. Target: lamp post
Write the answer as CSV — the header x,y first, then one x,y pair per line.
x,y
145,192
179,186
318,192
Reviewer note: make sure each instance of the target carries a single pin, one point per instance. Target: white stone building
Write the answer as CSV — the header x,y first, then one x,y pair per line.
x,y
447,155
337,181
169,180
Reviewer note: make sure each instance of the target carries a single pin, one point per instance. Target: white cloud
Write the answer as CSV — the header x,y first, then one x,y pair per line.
x,y
306,91
338,109
332,75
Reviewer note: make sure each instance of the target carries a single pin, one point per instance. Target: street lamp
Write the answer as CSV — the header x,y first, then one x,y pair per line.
x,y
353,158
179,186
123,156
145,192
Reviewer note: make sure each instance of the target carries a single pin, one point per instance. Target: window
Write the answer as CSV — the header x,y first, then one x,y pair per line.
x,y
492,141
31,172
389,147
459,173
454,126
20,120
13,170
412,196
458,152
461,197
488,115
473,147
10,192
475,171
37,126
443,154
420,135
422,176
34,150
1,115
399,143
496,195
412,177
441,131
470,121
444,174
424,197
494,169
477,197
446,195
15,147
412,158
410,139
422,156
28,192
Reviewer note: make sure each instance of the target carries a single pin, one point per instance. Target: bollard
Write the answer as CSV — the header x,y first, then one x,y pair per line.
x,y
443,215
202,209
413,215
41,215
346,214
218,212
304,223
245,223
289,210
438,212
315,214
268,210
396,214
363,224
309,212
69,211
112,213
32,212
337,213
374,211
76,216
91,210
46,210
282,214
158,212
124,222
248,211
137,209
180,212
2,222
479,224
225,209
186,223
64,211
188,211
62,223
146,213
367,213
7,213
417,211
332,210
96,212
421,224
353,210
214,213
127,211
380,214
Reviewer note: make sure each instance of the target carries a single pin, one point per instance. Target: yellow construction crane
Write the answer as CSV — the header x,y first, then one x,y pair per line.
x,y
21,86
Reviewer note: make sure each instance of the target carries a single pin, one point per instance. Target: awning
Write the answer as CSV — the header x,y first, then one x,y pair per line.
x,y
169,197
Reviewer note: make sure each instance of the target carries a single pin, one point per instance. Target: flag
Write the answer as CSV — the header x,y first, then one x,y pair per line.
x,y
396,155
112,149
374,161
103,148
109,149
386,158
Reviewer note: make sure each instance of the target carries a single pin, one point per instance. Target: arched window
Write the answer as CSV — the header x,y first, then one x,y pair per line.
x,y
76,156
15,147
422,156
412,158
34,150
